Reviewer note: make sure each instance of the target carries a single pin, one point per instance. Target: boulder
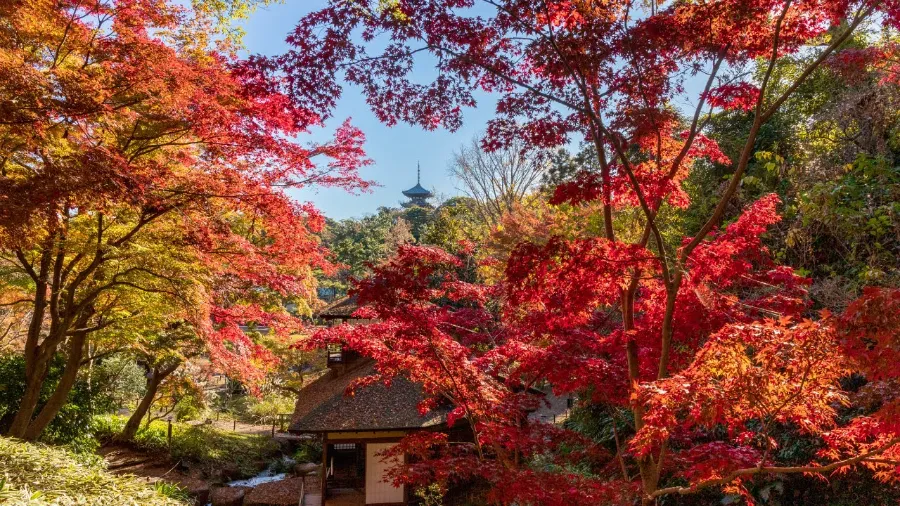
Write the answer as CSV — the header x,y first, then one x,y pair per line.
x,y
284,492
228,496
197,488
307,468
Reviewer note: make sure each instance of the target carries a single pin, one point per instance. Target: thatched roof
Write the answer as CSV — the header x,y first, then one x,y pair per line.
x,y
340,308
324,406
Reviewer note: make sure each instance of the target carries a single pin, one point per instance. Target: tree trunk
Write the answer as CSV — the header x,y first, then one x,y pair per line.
x,y
134,423
33,384
156,377
63,388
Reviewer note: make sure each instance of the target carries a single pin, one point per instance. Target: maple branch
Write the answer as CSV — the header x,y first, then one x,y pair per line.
x,y
860,17
29,269
888,462
18,301
65,34
774,470
91,358
648,212
693,131
511,80
761,117
411,52
619,447
443,365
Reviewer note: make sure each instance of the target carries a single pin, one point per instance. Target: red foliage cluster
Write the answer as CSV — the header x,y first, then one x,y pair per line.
x,y
741,96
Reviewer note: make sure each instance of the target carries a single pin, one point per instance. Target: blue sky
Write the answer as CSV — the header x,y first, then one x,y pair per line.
x,y
394,150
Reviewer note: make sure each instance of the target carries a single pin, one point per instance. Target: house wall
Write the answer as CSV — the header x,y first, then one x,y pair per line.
x,y
378,490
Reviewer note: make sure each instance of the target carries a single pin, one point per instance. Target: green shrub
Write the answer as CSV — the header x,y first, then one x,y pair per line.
x,y
215,449
309,452
39,475
118,381
107,426
266,409
172,491
75,415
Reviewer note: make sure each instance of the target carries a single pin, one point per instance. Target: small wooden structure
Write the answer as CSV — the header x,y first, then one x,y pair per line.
x,y
355,429
336,313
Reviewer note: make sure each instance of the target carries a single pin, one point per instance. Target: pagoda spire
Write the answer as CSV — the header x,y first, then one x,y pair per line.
x,y
418,196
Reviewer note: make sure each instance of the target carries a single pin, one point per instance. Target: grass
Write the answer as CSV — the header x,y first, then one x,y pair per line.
x,y
39,475
207,448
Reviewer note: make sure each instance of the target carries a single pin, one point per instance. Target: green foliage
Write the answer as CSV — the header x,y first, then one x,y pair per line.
x,y
564,165
39,475
269,407
601,423
849,225
418,218
117,381
456,220
358,243
172,491
210,449
190,407
309,452
68,427
432,495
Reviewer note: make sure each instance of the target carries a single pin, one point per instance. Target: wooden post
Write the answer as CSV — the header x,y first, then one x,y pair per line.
x,y
324,473
169,432
234,426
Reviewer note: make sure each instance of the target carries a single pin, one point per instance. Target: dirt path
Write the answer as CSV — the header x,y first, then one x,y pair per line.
x,y
239,427
153,467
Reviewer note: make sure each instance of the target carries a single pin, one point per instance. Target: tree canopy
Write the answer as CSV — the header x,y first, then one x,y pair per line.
x,y
143,177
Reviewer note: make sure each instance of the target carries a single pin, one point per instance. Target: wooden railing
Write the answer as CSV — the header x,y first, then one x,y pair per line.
x,y
281,420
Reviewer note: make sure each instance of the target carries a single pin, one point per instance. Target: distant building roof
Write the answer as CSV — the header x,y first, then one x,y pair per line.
x,y
341,308
417,191
323,405
418,195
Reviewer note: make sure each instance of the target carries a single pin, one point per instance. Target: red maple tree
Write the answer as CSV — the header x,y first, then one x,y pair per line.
x,y
705,336
140,158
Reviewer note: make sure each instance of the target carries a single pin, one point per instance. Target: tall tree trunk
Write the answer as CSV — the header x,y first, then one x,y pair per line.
x,y
63,388
36,360
34,381
156,377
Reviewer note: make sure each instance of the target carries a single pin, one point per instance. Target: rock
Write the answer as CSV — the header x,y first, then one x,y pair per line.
x,y
228,472
306,468
196,488
275,493
228,496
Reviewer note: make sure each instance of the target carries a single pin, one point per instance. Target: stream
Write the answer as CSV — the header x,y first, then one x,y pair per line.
x,y
269,474
264,477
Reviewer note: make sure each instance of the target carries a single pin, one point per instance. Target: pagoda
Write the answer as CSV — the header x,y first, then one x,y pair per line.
x,y
417,195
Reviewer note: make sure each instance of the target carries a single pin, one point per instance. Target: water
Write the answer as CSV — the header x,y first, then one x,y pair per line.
x,y
264,477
